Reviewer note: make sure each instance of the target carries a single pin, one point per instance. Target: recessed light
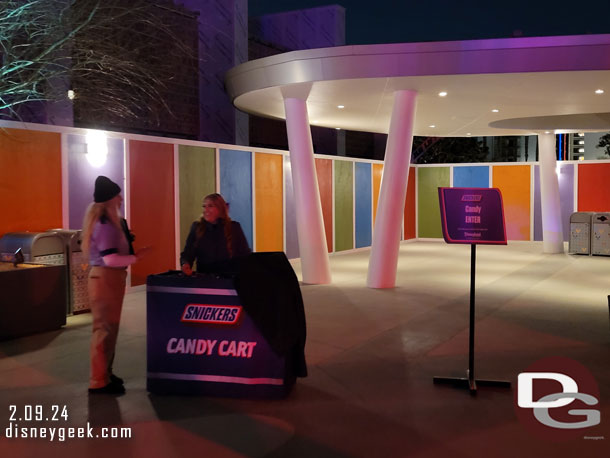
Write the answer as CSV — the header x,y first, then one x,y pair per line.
x,y
432,125
442,94
340,107
599,91
337,128
495,110
547,132
468,133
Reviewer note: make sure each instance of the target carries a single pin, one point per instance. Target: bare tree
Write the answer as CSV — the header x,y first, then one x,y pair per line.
x,y
118,57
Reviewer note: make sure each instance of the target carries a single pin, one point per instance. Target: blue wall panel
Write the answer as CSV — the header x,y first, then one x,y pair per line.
x,y
363,204
236,187
471,177
292,241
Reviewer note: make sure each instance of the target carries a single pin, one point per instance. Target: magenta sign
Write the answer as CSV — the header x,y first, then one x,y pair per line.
x,y
472,215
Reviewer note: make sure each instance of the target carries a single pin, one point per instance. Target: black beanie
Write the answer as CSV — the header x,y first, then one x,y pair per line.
x,y
105,189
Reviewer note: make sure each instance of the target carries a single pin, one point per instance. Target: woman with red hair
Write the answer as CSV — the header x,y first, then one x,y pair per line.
x,y
213,238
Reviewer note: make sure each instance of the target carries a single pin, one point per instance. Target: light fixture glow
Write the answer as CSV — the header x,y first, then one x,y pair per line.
x,y
71,94
495,110
442,94
432,126
599,91
337,128
468,133
97,148
581,150
340,107
581,142
547,131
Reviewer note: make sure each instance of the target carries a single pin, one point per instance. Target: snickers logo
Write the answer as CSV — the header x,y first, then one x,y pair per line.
x,y
218,314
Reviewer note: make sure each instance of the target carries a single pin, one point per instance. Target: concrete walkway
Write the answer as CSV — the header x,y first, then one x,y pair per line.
x,y
371,355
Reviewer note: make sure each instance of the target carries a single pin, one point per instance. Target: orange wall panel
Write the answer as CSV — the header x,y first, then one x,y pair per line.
x,y
377,174
410,207
593,189
152,212
514,184
30,181
268,185
324,171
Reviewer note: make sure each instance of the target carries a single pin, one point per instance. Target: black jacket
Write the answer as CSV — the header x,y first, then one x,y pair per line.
x,y
211,249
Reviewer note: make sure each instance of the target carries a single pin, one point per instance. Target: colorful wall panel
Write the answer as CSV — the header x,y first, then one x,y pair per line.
x,y
566,199
82,175
377,174
471,176
236,187
196,179
364,204
324,172
593,189
344,205
514,184
292,242
151,203
429,179
268,184
30,181
409,217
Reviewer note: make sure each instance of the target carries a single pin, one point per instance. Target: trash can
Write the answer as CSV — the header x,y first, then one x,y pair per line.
x,y
78,270
37,247
35,292
580,233
600,234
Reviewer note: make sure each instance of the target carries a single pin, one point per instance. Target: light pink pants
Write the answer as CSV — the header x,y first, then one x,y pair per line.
x,y
106,292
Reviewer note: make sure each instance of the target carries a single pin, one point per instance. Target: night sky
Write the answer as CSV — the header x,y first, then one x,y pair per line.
x,y
395,21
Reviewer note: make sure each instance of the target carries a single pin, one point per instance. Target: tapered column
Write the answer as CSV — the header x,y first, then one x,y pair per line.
x,y
552,231
310,225
390,209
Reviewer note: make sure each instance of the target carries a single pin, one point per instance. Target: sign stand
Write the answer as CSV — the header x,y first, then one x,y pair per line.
x,y
470,382
460,225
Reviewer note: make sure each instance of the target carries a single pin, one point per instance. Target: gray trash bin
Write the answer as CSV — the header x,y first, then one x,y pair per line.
x,y
580,233
78,270
37,247
600,234
35,293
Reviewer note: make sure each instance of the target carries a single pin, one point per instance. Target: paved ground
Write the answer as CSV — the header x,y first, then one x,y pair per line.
x,y
371,354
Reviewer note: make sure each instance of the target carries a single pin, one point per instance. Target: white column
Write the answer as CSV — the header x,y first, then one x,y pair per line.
x,y
390,209
310,225
552,232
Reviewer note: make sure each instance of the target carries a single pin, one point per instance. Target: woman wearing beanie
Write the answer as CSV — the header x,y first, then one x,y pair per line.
x,y
107,241
213,238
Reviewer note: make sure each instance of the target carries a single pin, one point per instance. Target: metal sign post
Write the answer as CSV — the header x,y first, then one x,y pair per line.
x,y
473,216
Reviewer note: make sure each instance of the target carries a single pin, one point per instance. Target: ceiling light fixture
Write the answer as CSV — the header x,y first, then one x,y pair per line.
x,y
442,94
337,128
432,126
599,91
340,107
495,110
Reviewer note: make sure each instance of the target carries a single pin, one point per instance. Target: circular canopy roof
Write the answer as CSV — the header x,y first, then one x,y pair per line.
x,y
535,84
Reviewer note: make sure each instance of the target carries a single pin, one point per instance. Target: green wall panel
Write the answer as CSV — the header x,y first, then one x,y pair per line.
x,y
197,178
344,205
429,179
